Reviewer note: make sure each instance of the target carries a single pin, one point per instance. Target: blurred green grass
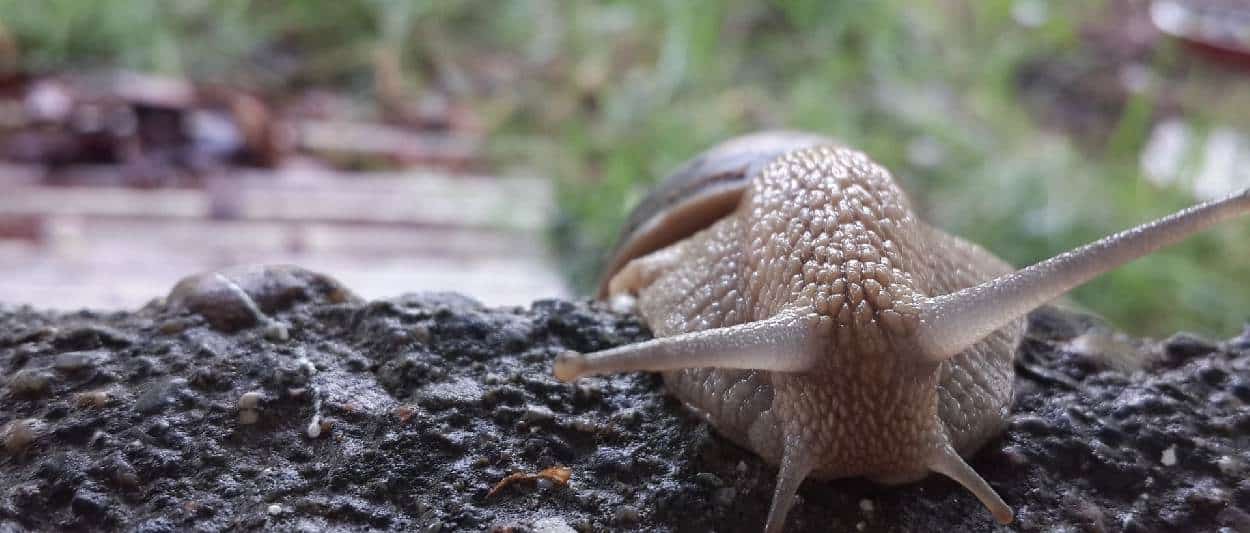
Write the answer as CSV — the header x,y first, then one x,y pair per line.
x,y
607,97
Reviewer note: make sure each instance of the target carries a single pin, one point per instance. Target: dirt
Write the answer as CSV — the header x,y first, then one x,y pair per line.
x,y
323,411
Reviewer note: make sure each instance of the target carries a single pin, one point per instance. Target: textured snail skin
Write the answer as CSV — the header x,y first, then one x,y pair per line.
x,y
826,232
821,325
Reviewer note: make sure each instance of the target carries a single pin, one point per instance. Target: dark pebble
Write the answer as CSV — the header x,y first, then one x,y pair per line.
x,y
1241,494
90,502
708,479
1184,346
157,396
1212,374
1240,388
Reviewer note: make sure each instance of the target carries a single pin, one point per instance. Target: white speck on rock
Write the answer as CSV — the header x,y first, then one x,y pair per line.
x,y
1230,465
861,525
307,365
1168,457
866,505
250,400
314,427
275,509
553,524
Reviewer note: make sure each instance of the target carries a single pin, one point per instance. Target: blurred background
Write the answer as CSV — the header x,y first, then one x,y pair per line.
x,y
494,147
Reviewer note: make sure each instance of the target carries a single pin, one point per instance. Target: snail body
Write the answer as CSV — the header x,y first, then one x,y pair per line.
x,y
803,310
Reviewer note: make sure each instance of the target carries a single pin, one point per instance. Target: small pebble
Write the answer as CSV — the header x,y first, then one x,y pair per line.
x,y
157,396
708,479
314,428
126,479
175,326
275,509
1212,375
30,383
248,417
588,392
866,505
277,331
421,333
552,524
404,413
18,434
1168,458
1241,389
585,426
250,400
1184,345
537,413
94,399
77,361
318,426
87,501
626,514
1230,465
1015,455
1031,424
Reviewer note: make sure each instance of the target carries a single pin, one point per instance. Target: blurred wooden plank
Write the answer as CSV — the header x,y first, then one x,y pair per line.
x,y
14,175
397,198
103,278
337,137
383,198
207,237
103,202
381,233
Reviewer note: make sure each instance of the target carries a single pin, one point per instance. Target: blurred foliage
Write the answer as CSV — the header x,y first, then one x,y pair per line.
x,y
959,98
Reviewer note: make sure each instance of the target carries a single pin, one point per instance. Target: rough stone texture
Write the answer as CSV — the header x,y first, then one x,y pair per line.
x,y
427,401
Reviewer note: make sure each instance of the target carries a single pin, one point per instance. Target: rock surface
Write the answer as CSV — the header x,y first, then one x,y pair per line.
x,y
406,414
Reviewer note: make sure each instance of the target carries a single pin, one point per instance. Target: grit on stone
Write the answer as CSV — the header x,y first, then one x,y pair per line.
x,y
404,414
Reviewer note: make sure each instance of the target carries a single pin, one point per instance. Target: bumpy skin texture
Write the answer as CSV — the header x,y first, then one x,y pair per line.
x,y
826,231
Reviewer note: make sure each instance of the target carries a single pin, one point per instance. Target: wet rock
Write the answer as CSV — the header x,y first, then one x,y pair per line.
x,y
421,404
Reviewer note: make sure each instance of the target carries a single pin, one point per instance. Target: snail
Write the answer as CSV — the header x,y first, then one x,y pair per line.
x,y
802,309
